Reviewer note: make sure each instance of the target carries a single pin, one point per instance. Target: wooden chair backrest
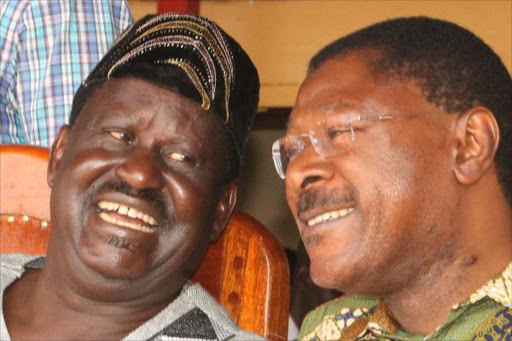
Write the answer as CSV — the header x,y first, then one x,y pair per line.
x,y
245,270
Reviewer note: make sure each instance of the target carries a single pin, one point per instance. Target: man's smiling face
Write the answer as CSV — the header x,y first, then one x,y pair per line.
x,y
138,183
369,216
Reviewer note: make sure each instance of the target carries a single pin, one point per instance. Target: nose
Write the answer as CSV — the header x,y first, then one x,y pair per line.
x,y
307,169
140,170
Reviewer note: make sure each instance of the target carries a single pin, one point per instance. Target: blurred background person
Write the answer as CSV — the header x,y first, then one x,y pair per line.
x,y
46,49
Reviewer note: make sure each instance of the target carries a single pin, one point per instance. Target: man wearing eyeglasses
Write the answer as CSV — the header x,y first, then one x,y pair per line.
x,y
397,164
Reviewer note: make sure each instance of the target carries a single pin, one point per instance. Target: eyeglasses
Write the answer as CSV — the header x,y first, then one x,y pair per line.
x,y
334,135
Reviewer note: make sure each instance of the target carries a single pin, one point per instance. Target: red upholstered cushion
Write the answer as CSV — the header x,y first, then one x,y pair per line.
x,y
23,234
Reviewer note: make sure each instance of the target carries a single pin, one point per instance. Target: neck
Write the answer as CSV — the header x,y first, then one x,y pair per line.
x,y
424,306
89,305
84,318
483,250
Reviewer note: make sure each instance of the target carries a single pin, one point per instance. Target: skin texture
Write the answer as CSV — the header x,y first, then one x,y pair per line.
x,y
127,146
412,184
305,295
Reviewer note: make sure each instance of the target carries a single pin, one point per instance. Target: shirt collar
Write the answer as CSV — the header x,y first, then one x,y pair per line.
x,y
499,289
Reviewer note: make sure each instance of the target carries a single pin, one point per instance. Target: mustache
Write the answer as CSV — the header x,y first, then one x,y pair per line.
x,y
311,199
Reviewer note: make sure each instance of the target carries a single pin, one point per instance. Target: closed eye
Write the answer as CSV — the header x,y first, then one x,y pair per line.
x,y
337,131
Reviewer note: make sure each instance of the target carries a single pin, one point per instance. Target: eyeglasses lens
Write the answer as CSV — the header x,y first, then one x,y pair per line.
x,y
332,136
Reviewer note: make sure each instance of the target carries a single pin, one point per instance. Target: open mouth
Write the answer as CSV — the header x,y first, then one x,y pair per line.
x,y
126,216
328,216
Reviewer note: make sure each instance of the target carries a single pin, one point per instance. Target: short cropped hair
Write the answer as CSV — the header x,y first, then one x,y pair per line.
x,y
456,70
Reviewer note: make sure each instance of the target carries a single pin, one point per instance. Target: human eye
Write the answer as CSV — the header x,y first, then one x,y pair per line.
x,y
180,158
120,135
337,131
336,126
291,146
292,150
114,138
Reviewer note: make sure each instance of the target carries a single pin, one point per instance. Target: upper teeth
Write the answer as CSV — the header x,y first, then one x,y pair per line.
x,y
127,211
330,216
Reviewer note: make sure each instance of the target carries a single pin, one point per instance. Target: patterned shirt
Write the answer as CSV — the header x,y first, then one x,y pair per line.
x,y
486,315
46,49
193,316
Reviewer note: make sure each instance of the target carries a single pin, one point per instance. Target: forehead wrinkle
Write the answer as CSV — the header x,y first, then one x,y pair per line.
x,y
123,114
323,92
336,106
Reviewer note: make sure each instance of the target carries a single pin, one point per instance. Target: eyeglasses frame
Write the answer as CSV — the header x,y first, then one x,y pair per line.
x,y
276,145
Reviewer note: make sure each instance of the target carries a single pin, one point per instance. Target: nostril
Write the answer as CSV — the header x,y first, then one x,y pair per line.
x,y
309,180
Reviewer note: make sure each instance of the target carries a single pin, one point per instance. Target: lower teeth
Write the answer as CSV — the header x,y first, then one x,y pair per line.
x,y
106,217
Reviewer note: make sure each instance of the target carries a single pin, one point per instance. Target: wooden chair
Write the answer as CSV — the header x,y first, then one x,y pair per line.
x,y
246,270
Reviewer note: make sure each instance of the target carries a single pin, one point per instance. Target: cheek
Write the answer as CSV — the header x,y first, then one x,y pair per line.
x,y
396,166
187,239
399,192
84,163
191,193
76,178
193,203
388,186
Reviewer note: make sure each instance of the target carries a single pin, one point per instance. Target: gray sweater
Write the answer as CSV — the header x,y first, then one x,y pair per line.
x,y
193,315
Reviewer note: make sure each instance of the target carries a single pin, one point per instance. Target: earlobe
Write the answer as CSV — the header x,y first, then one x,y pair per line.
x,y
56,153
477,136
224,210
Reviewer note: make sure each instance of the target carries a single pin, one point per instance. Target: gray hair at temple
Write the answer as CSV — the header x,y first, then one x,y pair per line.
x,y
192,56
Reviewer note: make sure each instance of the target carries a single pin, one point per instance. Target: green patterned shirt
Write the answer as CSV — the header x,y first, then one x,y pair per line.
x,y
486,315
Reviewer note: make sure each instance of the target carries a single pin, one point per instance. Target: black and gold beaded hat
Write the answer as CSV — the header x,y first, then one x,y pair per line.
x,y
191,55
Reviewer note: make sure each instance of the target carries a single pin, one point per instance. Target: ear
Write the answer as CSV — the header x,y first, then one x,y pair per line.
x,y
56,153
478,135
224,210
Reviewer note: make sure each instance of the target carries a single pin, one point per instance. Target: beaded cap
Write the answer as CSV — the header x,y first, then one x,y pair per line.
x,y
220,71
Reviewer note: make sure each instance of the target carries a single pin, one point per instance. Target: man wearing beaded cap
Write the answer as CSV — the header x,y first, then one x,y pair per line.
x,y
398,171
143,179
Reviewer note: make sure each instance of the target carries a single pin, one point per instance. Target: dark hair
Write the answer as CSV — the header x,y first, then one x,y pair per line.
x,y
171,78
455,69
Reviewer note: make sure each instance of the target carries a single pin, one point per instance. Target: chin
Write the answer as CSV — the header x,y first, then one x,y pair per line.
x,y
341,276
119,273
324,277
118,265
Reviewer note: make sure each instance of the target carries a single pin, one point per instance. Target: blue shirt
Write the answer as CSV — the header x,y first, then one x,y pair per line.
x,y
47,48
